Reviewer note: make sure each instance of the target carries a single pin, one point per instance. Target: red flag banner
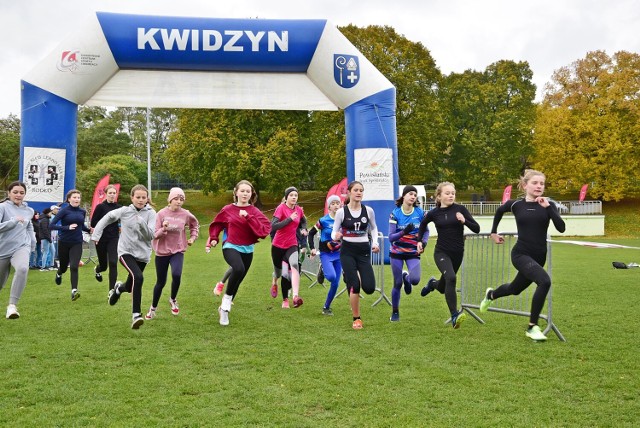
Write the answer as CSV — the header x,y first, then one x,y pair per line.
x,y
506,195
583,192
98,193
339,189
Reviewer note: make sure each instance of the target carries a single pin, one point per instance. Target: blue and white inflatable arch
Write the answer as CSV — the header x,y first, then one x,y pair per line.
x,y
179,62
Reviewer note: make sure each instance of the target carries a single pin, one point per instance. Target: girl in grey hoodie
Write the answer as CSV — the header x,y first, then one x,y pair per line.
x,y
137,224
17,240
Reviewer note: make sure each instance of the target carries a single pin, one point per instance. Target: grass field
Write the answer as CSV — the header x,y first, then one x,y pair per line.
x,y
78,363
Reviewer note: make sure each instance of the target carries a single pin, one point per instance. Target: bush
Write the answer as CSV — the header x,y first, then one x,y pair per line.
x,y
123,169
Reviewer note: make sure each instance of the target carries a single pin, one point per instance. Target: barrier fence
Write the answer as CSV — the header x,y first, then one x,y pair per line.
x,y
487,264
310,267
564,207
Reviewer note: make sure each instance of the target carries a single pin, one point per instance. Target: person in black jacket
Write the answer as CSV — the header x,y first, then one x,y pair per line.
x,y
36,255
107,247
69,222
45,240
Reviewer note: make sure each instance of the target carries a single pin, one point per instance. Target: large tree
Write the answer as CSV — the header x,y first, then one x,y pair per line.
x,y
217,148
420,122
308,148
588,126
491,116
160,124
99,135
9,149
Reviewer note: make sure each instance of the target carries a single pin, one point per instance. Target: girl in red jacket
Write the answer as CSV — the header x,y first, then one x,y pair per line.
x,y
245,225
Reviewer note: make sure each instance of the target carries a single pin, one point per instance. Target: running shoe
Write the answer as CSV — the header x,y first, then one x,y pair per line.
x,y
98,274
58,279
486,302
327,311
137,322
320,276
534,333
357,324
406,282
395,317
175,310
431,285
151,314
218,288
457,319
297,302
274,290
114,295
75,294
12,312
224,316
285,303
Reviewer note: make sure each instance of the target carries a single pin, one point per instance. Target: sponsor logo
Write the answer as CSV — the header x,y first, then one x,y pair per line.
x,y
74,61
43,173
346,70
170,39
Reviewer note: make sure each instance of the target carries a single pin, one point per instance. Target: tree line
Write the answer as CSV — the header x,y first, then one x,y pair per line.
x,y
478,129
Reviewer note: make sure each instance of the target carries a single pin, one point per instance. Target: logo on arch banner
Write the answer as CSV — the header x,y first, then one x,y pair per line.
x,y
346,70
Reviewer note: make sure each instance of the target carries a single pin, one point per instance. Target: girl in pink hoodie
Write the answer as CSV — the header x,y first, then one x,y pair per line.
x,y
169,243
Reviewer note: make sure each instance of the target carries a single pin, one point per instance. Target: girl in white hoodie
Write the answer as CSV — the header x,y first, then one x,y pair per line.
x,y
137,225
17,241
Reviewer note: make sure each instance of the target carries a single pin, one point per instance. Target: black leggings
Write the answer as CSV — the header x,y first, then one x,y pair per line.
x,y
69,254
240,264
134,281
289,255
107,250
530,269
176,262
448,264
355,258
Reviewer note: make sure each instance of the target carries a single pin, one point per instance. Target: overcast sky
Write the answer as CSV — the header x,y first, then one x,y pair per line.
x,y
460,34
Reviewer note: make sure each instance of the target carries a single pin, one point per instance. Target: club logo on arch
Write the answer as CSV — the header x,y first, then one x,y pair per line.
x,y
346,70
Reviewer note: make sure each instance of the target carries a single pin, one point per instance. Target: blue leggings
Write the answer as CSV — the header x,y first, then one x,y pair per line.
x,y
332,269
413,267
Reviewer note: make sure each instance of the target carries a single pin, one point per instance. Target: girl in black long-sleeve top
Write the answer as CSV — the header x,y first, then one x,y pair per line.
x,y
450,219
532,214
107,247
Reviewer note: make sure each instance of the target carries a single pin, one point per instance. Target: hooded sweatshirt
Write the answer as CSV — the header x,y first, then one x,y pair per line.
x,y
136,230
174,239
13,234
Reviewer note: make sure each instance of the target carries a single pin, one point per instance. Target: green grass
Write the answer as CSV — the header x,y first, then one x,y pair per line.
x,y
78,363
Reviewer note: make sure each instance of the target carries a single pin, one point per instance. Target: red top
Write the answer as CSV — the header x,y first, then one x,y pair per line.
x,y
240,230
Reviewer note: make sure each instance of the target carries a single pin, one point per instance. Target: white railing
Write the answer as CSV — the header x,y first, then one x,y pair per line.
x,y
564,207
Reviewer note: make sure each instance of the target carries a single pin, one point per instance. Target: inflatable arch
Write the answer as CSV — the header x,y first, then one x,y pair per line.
x,y
180,62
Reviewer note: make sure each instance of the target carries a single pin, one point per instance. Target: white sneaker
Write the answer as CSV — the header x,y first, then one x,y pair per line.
x,y
12,312
137,322
151,314
175,310
534,333
224,316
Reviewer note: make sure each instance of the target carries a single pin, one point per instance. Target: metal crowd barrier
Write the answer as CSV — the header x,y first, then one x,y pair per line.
x,y
487,264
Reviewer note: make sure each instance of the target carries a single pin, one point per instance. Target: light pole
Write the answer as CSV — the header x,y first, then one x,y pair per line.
x,y
148,153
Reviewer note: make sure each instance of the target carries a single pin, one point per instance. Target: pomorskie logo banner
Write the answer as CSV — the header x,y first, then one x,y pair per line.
x,y
44,174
